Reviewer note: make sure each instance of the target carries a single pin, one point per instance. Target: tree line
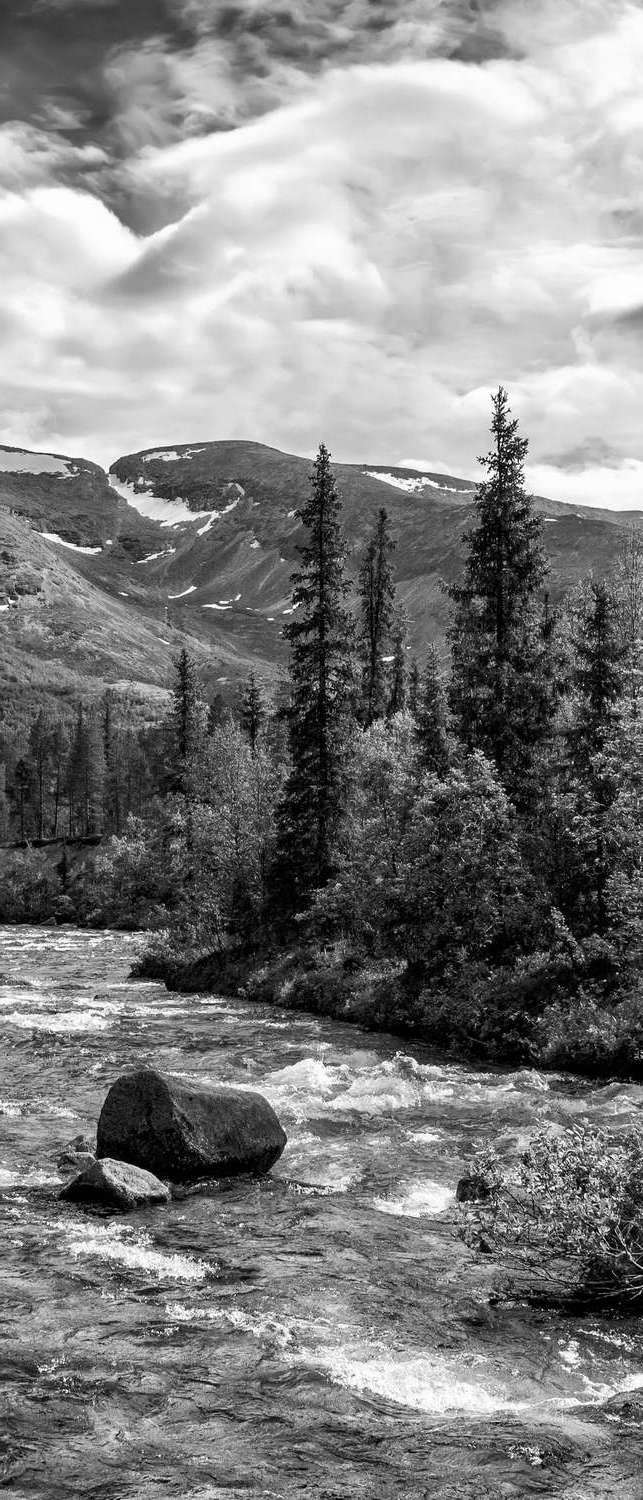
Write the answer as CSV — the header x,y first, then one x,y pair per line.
x,y
450,847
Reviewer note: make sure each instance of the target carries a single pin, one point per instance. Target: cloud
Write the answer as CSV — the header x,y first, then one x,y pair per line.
x,y
359,242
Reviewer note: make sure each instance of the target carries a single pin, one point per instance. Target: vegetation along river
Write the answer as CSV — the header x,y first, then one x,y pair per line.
x,y
319,1333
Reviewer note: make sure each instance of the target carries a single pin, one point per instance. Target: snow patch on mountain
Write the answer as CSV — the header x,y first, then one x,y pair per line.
x,y
415,485
170,455
152,556
168,512
52,536
215,515
190,590
17,461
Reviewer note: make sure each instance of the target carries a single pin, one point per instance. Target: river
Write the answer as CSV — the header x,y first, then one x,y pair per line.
x,y
318,1333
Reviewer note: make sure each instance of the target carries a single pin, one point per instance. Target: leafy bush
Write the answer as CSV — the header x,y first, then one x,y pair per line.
x,y
29,887
587,1035
572,1213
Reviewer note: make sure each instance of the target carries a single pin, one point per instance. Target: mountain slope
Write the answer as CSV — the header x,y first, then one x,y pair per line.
x,y
245,552
103,577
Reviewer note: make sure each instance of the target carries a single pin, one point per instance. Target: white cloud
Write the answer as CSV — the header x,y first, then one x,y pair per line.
x,y
364,263
619,488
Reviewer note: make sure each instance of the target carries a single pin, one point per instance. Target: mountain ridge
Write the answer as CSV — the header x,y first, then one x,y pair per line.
x,y
104,574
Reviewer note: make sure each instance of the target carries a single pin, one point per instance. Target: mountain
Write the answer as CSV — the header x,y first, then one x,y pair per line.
x,y
104,576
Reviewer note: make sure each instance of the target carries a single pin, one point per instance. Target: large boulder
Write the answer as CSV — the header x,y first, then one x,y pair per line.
x,y
116,1184
188,1130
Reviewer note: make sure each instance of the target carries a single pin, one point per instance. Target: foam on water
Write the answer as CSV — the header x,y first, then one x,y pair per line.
x,y
370,1086
423,1383
32,1177
597,1393
433,1383
66,1021
418,1200
15,1109
266,1328
438,1385
121,1245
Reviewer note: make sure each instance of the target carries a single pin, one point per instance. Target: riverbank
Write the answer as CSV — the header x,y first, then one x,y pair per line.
x,y
585,1038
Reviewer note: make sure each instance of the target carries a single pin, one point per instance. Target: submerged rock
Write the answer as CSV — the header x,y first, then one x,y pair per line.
x,y
187,1130
116,1184
473,1189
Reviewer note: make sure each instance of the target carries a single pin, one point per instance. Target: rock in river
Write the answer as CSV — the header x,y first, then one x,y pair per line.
x,y
75,1161
187,1130
473,1189
116,1184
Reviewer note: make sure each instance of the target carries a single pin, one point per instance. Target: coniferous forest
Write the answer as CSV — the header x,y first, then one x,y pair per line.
x,y
449,848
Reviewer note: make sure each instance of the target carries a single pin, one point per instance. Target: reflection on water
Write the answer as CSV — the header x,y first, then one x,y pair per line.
x,y
320,1332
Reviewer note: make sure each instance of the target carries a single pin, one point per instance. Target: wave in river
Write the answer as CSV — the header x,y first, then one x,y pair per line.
x,y
132,1249
418,1200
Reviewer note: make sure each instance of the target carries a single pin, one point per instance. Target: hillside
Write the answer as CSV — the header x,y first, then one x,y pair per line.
x,y
103,576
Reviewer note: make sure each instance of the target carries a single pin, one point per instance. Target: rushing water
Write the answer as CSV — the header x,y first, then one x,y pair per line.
x,y
319,1333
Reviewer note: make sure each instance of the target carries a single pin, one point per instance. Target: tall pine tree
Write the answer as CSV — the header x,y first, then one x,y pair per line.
x,y
186,721
498,692
597,677
317,716
86,775
377,603
432,719
399,673
252,711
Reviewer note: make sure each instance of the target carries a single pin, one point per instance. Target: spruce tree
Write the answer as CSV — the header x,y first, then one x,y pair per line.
x,y
585,850
252,712
377,600
4,804
629,596
23,784
317,716
41,751
60,754
497,693
185,723
86,776
399,674
113,768
414,686
597,677
432,719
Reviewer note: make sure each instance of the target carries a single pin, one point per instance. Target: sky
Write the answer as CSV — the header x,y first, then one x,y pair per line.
x,y
315,220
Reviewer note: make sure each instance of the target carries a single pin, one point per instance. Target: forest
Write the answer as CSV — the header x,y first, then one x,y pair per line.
x,y
449,849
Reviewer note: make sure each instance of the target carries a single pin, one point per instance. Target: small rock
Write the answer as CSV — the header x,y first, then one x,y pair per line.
x,y
75,1161
116,1184
472,1190
80,1143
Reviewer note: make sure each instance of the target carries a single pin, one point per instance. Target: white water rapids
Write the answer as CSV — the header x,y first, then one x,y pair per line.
x,y
321,1332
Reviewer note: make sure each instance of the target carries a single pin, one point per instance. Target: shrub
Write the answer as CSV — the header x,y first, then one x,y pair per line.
x,y
591,1036
571,1215
29,887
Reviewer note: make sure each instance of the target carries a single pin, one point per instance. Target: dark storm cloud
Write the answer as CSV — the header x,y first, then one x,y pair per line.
x,y
73,54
